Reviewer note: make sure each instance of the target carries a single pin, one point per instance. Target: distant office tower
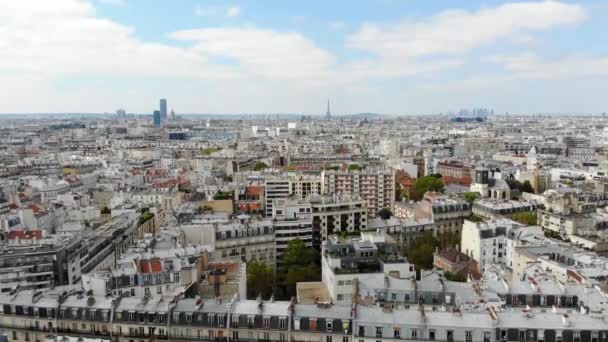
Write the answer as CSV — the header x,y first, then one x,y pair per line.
x,y
157,118
328,113
163,109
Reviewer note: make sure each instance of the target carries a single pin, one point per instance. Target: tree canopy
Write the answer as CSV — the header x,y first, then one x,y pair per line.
x,y
470,196
301,264
385,213
426,183
209,151
527,218
260,279
522,187
220,195
259,166
421,252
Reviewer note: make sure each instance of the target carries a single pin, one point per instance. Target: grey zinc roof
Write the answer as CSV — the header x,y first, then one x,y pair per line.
x,y
313,311
251,307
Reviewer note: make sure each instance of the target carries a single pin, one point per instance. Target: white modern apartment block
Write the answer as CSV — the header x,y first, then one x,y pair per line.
x,y
296,186
377,187
333,214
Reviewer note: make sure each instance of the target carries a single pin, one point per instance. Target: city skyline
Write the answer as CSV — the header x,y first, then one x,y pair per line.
x,y
384,57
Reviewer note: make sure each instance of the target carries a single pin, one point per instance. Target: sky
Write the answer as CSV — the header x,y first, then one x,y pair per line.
x,y
288,56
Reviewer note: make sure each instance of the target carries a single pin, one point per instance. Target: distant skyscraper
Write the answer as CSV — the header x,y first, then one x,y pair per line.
x,y
157,118
163,109
328,113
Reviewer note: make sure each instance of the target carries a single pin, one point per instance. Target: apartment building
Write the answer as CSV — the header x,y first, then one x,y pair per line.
x,y
335,214
377,187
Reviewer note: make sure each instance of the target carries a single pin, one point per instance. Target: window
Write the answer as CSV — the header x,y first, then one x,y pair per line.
x,y
176,277
147,291
220,320
250,321
397,332
296,324
329,326
266,322
188,317
133,292
132,316
161,318
210,319
393,296
414,333
450,335
235,320
159,289
313,324
235,335
468,336
282,322
487,336
378,331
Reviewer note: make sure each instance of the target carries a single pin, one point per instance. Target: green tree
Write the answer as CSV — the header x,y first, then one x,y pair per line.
x,y
209,151
259,166
385,213
300,265
298,274
527,218
526,187
522,187
220,195
355,167
455,277
260,280
421,253
298,254
426,183
470,196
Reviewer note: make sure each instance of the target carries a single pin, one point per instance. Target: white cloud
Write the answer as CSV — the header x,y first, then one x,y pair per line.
x,y
114,2
457,31
267,70
263,52
233,11
530,65
227,11
337,25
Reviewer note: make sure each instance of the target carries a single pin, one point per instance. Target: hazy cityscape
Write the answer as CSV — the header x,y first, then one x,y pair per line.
x,y
282,187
